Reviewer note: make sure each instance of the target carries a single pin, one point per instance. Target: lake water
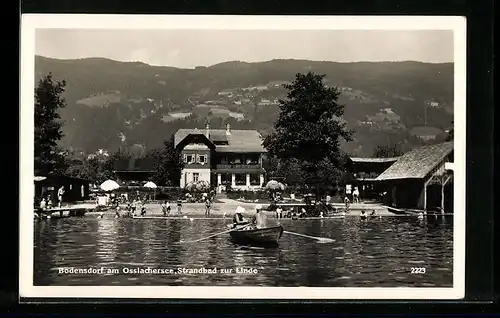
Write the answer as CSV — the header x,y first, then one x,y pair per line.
x,y
366,253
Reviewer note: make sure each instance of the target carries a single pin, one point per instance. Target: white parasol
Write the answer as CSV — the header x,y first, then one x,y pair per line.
x,y
109,185
151,185
275,185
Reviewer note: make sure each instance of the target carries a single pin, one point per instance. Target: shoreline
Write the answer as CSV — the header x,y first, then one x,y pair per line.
x,y
226,210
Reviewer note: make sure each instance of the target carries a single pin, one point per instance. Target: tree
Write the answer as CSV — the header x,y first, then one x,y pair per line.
x,y
309,129
167,163
96,169
49,159
387,151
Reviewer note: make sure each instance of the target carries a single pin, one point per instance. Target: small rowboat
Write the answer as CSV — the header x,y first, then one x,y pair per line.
x,y
396,210
264,236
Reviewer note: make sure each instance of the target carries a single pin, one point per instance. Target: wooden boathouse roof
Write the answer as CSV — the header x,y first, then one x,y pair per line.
x,y
373,160
417,163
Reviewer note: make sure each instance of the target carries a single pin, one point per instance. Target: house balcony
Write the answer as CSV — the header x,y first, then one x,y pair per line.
x,y
238,168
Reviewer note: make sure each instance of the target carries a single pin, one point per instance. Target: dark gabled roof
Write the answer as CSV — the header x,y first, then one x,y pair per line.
x,y
195,136
238,140
219,138
417,163
373,160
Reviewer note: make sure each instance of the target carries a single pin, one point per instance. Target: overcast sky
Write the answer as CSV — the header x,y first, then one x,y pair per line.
x,y
190,48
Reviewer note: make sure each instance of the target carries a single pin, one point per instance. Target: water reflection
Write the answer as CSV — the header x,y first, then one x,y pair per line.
x,y
107,240
375,252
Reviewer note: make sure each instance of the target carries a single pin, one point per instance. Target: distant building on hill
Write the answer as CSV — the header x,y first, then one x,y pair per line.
x,y
426,133
221,157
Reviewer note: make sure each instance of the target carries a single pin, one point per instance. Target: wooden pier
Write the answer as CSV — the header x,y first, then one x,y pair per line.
x,y
61,212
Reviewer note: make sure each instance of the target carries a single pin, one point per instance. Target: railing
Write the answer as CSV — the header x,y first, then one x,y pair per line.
x,y
238,166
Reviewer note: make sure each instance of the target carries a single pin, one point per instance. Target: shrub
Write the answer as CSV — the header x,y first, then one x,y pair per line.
x,y
247,195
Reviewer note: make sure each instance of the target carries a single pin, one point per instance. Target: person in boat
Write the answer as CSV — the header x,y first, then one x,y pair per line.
x,y
238,219
259,220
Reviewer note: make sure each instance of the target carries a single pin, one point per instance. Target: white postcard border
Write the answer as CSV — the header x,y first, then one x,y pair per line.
x,y
30,22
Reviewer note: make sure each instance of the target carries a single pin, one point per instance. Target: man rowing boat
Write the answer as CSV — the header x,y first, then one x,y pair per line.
x,y
259,220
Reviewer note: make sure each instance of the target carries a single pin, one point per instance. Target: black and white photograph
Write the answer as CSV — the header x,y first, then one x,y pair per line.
x,y
242,157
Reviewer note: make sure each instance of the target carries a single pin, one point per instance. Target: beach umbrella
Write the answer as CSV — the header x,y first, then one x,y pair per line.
x,y
151,185
109,185
274,185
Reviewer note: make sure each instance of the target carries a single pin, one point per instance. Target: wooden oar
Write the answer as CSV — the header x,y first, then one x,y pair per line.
x,y
319,239
207,237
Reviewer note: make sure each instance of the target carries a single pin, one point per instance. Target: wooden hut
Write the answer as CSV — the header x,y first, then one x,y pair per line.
x,y
133,170
421,179
76,189
364,172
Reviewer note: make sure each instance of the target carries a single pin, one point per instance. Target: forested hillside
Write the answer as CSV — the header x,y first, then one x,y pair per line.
x,y
112,104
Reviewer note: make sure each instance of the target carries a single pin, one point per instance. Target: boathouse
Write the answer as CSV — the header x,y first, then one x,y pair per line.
x,y
133,170
421,179
364,172
76,189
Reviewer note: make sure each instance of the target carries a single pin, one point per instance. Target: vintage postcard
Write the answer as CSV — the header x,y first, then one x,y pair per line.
x,y
242,157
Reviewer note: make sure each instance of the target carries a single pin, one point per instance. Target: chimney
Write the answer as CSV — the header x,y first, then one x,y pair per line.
x,y
228,129
207,130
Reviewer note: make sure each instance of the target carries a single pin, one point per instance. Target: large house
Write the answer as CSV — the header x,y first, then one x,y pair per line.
x,y
221,157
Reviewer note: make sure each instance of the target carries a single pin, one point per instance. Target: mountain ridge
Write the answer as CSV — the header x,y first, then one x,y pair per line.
x,y
112,103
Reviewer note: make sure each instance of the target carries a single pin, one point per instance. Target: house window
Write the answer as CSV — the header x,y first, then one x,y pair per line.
x,y
226,178
254,179
202,159
241,179
196,176
188,159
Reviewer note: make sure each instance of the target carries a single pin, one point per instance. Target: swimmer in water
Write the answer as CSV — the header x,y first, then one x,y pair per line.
x,y
363,214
